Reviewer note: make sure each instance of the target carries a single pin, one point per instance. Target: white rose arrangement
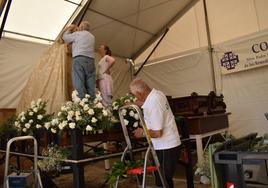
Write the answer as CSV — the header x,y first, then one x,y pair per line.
x,y
131,118
84,114
33,118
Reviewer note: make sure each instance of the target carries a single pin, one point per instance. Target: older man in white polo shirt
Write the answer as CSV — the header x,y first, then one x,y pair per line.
x,y
162,127
83,70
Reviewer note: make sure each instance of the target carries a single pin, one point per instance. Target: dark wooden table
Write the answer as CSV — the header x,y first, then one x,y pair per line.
x,y
206,126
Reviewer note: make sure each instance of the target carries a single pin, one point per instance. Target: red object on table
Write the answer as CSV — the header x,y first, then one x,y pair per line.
x,y
139,170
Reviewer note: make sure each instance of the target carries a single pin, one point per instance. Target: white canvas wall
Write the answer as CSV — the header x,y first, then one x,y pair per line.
x,y
17,60
228,19
235,21
262,13
180,76
188,33
246,96
246,92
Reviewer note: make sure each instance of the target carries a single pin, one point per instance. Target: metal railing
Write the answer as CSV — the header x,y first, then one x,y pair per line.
x,y
37,178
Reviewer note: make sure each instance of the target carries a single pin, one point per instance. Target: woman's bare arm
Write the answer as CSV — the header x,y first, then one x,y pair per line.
x,y
111,62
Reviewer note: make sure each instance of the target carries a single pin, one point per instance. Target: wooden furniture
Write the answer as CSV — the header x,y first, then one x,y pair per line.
x,y
208,123
6,113
107,135
206,126
206,116
196,105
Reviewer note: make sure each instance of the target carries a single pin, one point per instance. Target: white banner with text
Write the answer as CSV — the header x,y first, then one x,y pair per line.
x,y
242,55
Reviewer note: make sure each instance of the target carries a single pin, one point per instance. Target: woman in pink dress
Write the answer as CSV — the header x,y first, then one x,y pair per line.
x,y
105,80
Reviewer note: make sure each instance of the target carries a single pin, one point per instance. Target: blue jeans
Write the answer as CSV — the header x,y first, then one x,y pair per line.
x,y
84,76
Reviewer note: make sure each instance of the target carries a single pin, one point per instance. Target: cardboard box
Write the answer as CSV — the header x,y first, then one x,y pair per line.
x,y
21,180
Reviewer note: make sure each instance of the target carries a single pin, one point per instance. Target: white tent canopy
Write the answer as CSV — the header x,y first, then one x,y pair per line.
x,y
133,24
181,64
244,18
128,27
52,16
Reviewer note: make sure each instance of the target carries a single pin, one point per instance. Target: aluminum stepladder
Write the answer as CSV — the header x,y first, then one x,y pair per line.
x,y
37,177
150,149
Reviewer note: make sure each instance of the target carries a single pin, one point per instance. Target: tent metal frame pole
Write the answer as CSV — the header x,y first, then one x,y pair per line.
x,y
146,60
30,36
119,21
72,2
163,29
5,17
62,30
210,48
74,20
85,11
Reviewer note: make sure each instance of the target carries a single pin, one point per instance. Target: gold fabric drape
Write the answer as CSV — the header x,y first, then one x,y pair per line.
x,y
50,79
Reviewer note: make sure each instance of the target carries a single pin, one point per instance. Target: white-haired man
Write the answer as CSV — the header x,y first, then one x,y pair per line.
x,y
83,70
162,127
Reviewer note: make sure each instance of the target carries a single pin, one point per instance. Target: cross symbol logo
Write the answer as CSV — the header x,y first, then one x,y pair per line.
x,y
229,60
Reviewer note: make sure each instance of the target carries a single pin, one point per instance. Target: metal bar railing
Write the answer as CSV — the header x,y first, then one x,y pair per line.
x,y
37,178
91,159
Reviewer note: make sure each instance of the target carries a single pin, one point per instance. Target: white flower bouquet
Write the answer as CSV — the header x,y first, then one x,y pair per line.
x,y
54,158
34,118
85,114
131,117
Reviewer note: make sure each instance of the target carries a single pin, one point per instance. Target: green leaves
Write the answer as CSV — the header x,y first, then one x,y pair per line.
x,y
119,169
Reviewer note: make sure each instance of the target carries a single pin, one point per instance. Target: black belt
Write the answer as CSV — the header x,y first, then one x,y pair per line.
x,y
83,56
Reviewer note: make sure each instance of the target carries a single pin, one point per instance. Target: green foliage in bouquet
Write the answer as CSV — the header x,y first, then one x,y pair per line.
x,y
7,126
84,114
203,170
260,144
119,169
35,117
7,130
